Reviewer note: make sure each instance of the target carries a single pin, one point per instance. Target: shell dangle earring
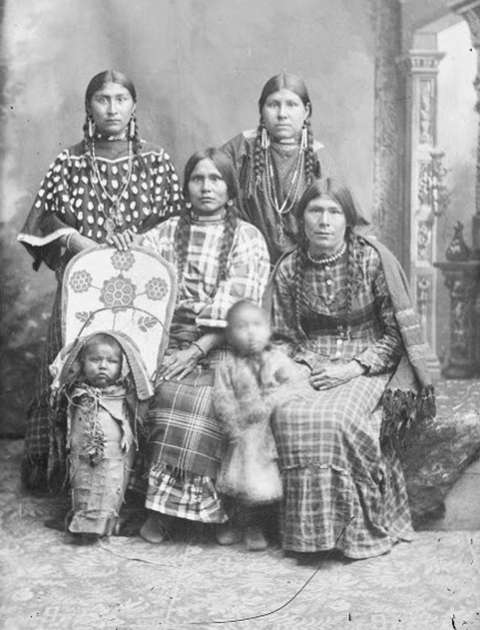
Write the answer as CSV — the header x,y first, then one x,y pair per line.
x,y
90,127
304,137
264,138
131,127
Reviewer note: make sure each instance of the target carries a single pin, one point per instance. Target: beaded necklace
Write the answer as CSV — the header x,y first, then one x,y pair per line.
x,y
293,189
114,217
327,260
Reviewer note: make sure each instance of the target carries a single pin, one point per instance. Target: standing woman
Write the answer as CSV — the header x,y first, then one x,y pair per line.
x,y
219,260
278,160
104,189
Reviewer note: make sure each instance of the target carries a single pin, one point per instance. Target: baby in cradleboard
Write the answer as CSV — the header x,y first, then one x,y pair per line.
x,y
99,404
248,384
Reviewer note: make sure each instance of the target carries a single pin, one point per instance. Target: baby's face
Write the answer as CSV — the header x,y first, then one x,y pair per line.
x,y
102,364
249,330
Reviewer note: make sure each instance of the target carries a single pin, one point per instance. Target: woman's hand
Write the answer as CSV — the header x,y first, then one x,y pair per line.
x,y
124,240
179,363
335,374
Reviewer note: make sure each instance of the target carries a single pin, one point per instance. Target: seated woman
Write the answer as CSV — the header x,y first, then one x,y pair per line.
x,y
278,160
219,260
340,301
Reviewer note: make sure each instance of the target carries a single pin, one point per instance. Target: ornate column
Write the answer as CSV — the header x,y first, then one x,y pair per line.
x,y
389,130
425,195
470,11
462,279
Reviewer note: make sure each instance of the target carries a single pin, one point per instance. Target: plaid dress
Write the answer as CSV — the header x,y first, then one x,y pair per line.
x,y
70,199
341,491
185,443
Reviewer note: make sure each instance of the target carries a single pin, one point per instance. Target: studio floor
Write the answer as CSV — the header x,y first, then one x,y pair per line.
x,y
431,583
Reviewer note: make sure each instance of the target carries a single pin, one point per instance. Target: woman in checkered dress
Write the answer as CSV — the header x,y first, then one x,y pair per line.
x,y
219,260
104,189
334,311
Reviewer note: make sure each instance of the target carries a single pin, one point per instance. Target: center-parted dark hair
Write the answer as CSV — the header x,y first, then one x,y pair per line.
x,y
109,76
222,163
286,81
296,85
342,195
182,233
97,83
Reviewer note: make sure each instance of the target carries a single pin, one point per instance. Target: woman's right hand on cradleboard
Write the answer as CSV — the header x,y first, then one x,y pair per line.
x,y
124,240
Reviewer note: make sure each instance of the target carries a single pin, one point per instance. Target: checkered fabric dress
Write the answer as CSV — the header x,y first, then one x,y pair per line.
x,y
185,442
340,490
70,199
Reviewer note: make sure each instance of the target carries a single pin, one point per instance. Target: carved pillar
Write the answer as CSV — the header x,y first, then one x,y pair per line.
x,y
462,279
389,134
470,11
423,171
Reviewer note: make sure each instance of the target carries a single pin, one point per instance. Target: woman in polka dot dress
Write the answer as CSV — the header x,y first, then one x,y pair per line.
x,y
104,189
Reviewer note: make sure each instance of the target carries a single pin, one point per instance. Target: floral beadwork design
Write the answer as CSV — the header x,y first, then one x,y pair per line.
x,y
81,281
118,292
122,260
156,288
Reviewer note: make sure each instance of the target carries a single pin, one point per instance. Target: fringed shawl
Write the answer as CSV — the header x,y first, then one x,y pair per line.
x,y
409,395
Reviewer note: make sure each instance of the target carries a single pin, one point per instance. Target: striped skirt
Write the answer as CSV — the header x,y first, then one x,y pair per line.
x,y
341,492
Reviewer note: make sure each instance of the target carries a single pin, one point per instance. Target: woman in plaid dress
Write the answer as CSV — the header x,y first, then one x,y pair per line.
x,y
219,260
336,312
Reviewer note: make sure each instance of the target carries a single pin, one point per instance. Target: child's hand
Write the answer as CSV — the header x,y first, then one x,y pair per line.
x,y
126,440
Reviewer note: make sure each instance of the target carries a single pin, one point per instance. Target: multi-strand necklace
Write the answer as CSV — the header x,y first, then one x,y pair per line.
x,y
293,189
113,215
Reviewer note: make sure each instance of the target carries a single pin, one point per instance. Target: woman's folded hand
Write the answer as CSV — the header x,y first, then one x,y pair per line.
x,y
334,374
179,363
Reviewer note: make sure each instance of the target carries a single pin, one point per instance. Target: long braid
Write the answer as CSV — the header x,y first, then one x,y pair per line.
x,y
300,263
311,161
181,239
230,226
136,144
258,156
300,266
350,238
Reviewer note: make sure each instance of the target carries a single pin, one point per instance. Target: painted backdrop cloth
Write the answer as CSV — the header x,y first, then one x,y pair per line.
x,y
280,231
341,491
69,199
185,442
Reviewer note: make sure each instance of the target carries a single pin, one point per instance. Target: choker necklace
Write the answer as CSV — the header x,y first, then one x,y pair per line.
x,y
327,260
114,216
205,218
111,137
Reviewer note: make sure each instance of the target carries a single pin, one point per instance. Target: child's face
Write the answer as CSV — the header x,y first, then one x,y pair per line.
x,y
102,364
249,330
